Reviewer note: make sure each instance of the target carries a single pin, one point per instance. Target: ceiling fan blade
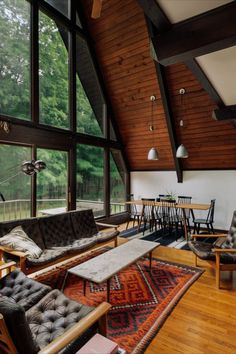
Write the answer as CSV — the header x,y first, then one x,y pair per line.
x,y
96,9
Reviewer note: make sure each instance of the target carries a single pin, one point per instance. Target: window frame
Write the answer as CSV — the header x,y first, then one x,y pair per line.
x,y
37,135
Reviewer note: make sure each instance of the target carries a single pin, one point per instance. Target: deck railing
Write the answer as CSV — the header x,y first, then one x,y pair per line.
x,y
20,208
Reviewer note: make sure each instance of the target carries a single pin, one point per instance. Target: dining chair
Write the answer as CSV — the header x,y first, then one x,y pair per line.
x,y
134,214
148,213
208,221
183,199
169,217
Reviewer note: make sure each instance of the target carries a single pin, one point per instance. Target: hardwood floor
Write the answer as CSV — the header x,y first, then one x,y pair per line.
x,y
204,320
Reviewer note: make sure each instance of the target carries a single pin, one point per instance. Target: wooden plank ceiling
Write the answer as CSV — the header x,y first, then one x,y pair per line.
x,y
122,47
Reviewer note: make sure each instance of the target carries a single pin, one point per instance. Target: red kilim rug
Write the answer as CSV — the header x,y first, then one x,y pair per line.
x,y
140,301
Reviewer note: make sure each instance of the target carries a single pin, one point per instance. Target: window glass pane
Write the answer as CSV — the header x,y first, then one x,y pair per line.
x,y
15,58
112,132
52,182
61,5
53,73
91,107
117,182
90,178
15,186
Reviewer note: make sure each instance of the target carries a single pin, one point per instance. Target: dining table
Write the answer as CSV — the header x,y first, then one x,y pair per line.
x,y
183,206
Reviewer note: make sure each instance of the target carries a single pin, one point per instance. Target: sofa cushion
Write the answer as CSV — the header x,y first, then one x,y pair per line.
x,y
82,244
30,226
54,315
57,230
48,255
18,240
22,290
83,223
14,316
106,235
202,249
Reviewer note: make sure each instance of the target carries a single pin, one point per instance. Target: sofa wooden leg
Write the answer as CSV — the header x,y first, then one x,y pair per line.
x,y
116,241
195,260
102,325
218,270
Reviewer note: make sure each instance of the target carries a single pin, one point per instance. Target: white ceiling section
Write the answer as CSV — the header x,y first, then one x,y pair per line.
x,y
220,68
179,10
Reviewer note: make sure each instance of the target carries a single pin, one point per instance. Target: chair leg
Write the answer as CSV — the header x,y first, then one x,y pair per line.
x,y
212,228
198,228
218,270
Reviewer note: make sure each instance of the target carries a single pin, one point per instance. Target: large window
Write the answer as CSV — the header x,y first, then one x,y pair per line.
x,y
88,91
53,73
58,79
117,183
15,186
52,182
90,178
15,58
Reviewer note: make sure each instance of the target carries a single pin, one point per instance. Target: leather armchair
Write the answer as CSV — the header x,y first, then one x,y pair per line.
x,y
36,319
221,254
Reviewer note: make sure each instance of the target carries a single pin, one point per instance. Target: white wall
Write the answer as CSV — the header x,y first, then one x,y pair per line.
x,y
201,185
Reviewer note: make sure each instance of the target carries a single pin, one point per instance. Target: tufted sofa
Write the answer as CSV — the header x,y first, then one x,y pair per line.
x,y
60,237
36,319
221,254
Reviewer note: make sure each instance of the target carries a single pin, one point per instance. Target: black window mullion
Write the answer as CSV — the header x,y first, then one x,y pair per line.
x,y
107,181
34,62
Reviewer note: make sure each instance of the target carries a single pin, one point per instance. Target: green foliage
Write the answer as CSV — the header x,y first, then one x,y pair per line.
x,y
54,102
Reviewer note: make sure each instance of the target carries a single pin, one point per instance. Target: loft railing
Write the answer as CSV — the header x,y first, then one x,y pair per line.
x,y
20,208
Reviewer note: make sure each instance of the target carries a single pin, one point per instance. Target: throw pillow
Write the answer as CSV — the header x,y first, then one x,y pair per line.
x,y
17,240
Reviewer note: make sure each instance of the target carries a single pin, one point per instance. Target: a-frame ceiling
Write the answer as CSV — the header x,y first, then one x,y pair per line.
x,y
121,41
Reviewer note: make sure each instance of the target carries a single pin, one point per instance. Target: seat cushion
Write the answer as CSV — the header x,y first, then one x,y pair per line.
x,y
54,315
57,230
82,244
18,240
48,255
202,249
103,236
83,223
14,316
22,290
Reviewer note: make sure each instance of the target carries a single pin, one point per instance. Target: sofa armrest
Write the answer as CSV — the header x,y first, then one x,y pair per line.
x,y
21,255
224,250
107,225
195,236
8,266
98,314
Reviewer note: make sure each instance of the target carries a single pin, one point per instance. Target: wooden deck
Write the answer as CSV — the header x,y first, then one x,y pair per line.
x,y
204,319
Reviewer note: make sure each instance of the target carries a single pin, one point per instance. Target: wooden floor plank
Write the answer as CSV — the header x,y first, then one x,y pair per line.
x,y
204,320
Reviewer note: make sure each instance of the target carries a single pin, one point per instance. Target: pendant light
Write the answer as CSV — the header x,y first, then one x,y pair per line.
x,y
153,153
181,152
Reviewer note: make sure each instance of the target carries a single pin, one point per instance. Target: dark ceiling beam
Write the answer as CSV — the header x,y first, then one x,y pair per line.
x,y
198,35
155,14
192,64
160,70
225,113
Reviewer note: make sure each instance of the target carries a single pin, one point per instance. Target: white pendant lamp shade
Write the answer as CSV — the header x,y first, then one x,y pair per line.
x,y
181,152
153,154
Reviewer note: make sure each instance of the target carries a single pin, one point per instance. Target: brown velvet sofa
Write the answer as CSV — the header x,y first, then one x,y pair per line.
x,y
36,319
60,236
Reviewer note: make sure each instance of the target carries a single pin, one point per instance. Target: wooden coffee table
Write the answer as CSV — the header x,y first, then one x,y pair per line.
x,y
104,266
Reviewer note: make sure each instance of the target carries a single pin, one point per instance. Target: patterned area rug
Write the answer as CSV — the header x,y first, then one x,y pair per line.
x,y
141,301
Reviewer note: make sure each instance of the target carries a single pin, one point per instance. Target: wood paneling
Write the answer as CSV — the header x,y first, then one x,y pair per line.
x,y
122,47
121,44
